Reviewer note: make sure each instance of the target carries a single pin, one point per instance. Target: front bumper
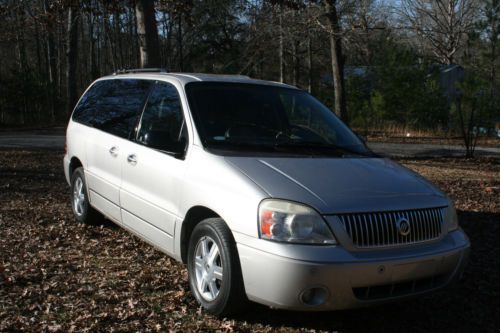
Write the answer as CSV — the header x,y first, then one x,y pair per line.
x,y
278,275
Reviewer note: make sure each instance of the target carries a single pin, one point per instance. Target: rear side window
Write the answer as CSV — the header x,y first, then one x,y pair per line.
x,y
113,105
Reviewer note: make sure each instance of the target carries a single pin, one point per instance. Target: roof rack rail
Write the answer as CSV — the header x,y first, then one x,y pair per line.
x,y
140,70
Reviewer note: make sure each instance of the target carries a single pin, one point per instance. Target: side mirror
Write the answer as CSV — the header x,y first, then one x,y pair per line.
x,y
162,140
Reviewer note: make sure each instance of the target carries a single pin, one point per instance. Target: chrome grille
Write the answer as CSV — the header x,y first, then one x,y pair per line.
x,y
367,230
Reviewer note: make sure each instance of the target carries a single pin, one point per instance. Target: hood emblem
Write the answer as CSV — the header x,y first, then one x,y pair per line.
x,y
403,226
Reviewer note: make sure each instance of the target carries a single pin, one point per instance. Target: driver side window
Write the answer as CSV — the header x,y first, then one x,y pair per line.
x,y
162,124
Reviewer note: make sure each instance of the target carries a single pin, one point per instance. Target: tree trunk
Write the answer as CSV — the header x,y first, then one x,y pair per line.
x,y
61,58
40,75
309,62
168,55
81,65
22,61
107,40
296,64
147,33
336,59
118,39
163,54
51,64
179,42
131,34
281,50
98,44
72,55
493,38
38,51
94,70
295,55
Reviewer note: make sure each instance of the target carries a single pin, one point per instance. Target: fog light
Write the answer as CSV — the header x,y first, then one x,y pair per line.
x,y
314,296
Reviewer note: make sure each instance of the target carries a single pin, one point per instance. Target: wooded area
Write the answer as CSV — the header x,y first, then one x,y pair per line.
x,y
375,63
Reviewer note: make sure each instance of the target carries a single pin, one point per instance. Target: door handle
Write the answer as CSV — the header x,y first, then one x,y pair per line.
x,y
113,151
132,159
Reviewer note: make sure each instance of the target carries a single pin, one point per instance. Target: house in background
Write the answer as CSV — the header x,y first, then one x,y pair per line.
x,y
449,76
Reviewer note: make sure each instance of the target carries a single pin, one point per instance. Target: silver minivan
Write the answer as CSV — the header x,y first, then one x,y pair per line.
x,y
261,190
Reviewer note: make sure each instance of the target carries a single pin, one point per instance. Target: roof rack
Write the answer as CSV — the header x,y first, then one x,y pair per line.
x,y
140,70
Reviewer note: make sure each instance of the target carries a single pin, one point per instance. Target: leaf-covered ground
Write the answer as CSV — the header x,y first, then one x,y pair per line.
x,y
56,275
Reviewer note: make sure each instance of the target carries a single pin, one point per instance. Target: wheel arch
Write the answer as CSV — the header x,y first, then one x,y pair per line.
x,y
74,164
194,216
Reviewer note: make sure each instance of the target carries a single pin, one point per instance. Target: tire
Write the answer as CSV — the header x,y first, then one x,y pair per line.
x,y
80,204
215,279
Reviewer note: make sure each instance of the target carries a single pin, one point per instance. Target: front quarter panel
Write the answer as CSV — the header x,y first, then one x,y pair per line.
x,y
213,183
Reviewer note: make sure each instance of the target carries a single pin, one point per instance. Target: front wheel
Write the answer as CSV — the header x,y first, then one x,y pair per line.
x,y
214,269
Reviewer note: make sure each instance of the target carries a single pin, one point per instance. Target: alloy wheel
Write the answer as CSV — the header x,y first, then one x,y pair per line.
x,y
208,268
78,197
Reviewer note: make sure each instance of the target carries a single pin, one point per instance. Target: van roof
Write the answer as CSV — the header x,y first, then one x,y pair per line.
x,y
185,78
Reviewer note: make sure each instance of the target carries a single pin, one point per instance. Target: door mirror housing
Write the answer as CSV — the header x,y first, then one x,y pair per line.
x,y
162,140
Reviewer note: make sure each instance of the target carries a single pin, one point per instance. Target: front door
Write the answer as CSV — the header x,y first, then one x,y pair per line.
x,y
154,168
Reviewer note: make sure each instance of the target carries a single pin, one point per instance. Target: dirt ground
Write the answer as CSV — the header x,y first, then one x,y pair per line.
x,y
56,275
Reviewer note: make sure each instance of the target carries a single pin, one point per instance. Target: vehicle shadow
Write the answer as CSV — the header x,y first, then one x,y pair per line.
x,y
468,305
107,224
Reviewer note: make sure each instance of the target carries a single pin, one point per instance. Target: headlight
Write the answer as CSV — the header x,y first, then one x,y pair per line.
x,y
451,217
285,221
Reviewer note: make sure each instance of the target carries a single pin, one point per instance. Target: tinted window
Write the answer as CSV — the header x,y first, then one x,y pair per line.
x,y
113,105
263,118
162,123
304,119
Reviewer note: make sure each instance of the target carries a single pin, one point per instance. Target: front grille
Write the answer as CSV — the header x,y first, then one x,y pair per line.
x,y
371,230
402,288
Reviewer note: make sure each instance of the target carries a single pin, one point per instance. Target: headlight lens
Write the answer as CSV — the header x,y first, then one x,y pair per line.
x,y
451,217
285,221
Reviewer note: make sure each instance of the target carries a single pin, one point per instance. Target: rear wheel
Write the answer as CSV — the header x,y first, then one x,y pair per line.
x,y
84,213
214,269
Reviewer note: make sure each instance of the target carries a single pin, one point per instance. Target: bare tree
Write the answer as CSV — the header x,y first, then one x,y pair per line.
x,y
366,23
337,57
147,33
470,107
442,25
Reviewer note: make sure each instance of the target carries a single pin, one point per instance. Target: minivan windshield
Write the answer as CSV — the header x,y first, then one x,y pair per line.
x,y
267,118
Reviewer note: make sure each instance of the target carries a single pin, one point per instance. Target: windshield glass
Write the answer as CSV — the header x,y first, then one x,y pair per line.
x,y
265,118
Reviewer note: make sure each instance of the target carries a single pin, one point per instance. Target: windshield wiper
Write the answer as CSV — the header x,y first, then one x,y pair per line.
x,y
321,145
239,144
311,147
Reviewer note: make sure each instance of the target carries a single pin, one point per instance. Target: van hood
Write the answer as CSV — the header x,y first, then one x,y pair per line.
x,y
341,185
